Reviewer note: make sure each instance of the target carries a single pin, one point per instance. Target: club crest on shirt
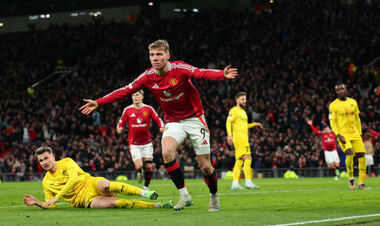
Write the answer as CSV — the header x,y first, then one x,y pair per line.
x,y
64,172
167,93
173,81
145,113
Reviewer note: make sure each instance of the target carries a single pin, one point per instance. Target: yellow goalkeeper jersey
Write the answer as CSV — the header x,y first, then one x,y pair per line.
x,y
344,117
67,182
237,125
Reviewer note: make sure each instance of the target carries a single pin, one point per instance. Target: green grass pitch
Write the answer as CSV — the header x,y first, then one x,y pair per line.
x,y
278,201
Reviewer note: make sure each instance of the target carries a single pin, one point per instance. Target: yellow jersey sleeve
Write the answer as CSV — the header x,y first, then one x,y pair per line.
x,y
48,195
358,122
332,118
230,120
251,125
72,172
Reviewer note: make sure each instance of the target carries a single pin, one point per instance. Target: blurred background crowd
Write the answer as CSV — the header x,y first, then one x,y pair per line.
x,y
289,59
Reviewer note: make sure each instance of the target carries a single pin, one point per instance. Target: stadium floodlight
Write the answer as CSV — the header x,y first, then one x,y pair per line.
x,y
177,10
1,24
271,1
73,14
184,10
195,10
42,16
48,15
150,3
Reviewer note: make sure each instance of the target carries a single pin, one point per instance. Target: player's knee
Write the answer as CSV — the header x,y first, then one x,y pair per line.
x,y
206,169
349,152
168,155
359,155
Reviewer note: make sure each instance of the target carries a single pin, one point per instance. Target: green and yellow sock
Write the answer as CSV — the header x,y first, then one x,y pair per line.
x,y
247,169
350,165
362,169
237,169
123,188
136,204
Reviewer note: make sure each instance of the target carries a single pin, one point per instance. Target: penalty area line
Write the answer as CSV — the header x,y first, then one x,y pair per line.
x,y
329,220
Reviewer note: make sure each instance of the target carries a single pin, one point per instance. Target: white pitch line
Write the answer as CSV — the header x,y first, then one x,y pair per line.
x,y
253,192
4,207
330,219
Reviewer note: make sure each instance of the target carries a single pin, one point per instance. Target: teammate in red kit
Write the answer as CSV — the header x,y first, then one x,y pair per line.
x,y
138,116
329,147
170,83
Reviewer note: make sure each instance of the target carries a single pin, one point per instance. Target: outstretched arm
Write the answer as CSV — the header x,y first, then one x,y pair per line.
x,y
254,124
209,74
30,200
116,95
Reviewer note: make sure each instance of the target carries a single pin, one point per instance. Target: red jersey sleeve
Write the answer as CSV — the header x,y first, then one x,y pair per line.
x,y
156,118
123,119
123,92
201,73
317,132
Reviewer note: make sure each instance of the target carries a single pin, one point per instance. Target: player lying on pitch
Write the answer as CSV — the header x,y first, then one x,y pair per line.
x,y
65,179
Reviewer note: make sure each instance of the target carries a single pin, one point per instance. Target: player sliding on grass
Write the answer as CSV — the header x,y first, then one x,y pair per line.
x,y
170,83
65,179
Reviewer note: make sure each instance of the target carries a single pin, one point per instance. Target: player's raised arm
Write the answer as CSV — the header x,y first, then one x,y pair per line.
x,y
116,95
209,74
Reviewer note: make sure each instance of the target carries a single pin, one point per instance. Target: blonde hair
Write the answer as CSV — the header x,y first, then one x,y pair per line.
x,y
42,150
159,44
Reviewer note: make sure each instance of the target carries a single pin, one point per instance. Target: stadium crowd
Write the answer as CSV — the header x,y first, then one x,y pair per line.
x,y
289,55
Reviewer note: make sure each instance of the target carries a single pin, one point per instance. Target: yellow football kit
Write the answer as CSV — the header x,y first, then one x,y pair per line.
x,y
237,127
71,183
345,121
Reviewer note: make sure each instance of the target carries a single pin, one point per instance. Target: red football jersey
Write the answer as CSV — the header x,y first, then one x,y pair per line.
x,y
174,92
328,139
138,123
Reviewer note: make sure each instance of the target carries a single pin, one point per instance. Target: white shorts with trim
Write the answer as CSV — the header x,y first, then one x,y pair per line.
x,y
368,159
141,151
331,157
194,129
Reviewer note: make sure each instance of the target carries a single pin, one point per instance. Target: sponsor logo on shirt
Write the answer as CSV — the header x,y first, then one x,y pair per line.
x,y
138,120
167,93
172,98
139,125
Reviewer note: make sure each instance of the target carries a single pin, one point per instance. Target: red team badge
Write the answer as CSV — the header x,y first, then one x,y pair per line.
x,y
173,81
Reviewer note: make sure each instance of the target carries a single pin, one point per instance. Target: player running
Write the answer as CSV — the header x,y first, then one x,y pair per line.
x,y
138,116
170,83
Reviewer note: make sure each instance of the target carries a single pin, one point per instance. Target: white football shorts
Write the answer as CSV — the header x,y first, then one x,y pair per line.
x,y
331,157
195,129
141,151
368,159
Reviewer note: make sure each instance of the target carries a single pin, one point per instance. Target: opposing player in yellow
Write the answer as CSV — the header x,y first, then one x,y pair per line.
x,y
345,122
65,179
237,130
